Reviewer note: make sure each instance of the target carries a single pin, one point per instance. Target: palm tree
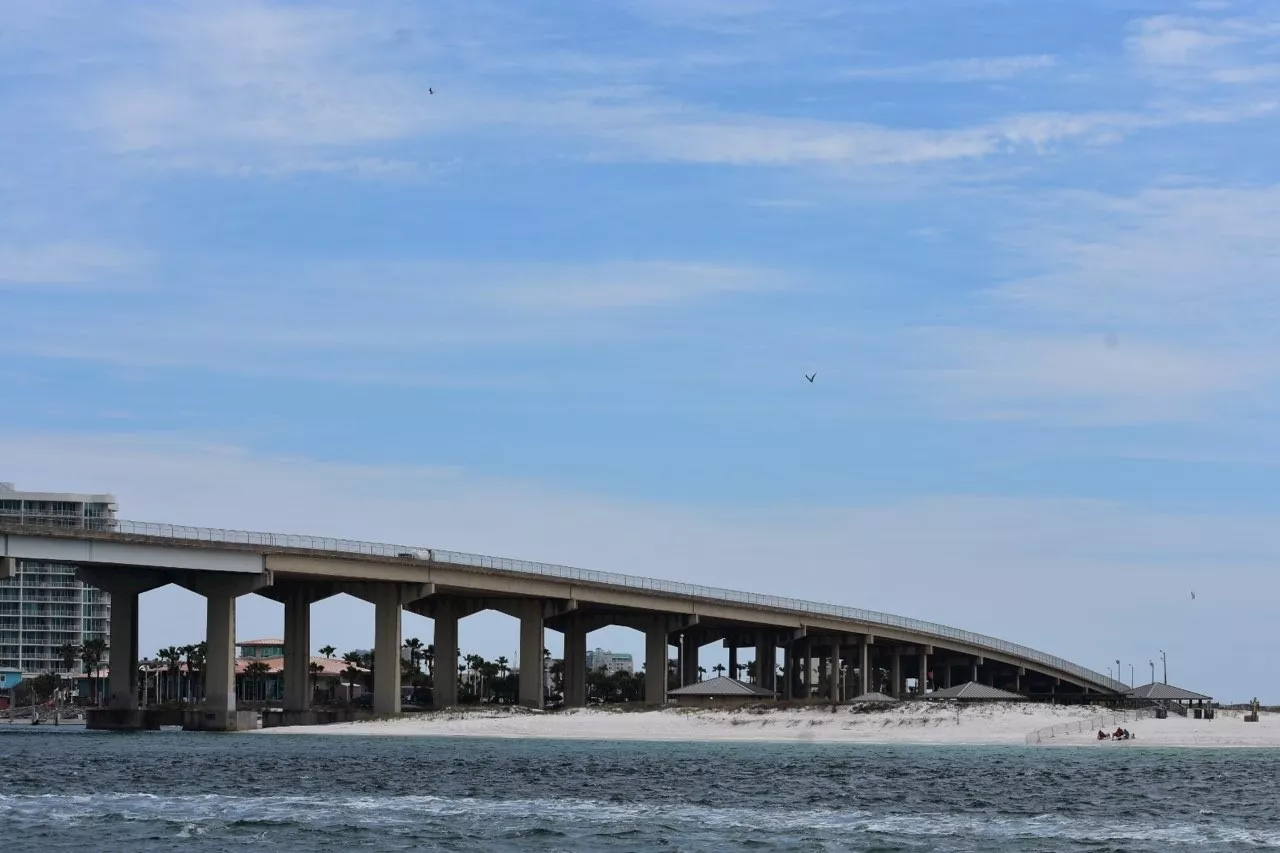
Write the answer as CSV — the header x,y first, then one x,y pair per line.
x,y
195,663
718,668
429,655
172,656
327,651
69,652
187,651
92,653
315,669
352,672
503,665
256,671
414,645
702,673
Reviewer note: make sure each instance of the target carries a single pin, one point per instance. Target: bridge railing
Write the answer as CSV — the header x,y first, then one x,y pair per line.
x,y
684,590
1102,722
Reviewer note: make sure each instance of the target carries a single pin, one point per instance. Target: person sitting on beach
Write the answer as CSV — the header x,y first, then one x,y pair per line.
x,y
1119,735
1102,735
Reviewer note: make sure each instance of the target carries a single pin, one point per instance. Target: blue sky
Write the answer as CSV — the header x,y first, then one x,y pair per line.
x,y
252,274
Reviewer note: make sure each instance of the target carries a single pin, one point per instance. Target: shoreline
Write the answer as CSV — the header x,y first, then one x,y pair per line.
x,y
908,723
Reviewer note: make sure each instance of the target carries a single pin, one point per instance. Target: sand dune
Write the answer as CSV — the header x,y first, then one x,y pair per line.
x,y
907,723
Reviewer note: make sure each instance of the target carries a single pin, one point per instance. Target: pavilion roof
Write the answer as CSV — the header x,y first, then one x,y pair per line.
x,y
974,690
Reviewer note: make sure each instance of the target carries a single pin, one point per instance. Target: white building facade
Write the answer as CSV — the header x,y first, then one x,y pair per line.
x,y
43,607
610,662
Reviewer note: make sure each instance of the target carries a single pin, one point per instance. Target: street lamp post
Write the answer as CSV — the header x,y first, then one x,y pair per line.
x,y
1153,671
1164,662
1130,676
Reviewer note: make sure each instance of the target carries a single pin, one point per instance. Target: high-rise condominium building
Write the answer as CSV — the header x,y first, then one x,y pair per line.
x,y
610,662
43,607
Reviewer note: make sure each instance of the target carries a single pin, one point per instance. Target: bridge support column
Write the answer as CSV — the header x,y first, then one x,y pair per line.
x,y
689,657
297,650
122,669
386,649
124,587
575,662
220,663
733,659
789,671
864,667
922,678
895,678
532,644
655,663
444,671
974,675
218,712
764,662
833,687
806,669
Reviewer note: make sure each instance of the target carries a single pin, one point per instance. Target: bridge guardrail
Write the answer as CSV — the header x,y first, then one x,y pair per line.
x,y
379,549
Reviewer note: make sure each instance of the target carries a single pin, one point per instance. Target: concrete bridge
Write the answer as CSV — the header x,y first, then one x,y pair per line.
x,y
128,558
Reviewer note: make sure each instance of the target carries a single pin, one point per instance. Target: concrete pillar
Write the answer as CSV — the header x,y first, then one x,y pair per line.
x,y
297,650
833,675
444,673
974,676
532,644
764,662
864,667
806,669
386,650
923,676
789,671
689,659
575,662
895,679
655,663
122,668
733,659
220,664
946,675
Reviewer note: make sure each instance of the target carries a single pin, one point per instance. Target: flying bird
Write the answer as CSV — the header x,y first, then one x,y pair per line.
x,y
1193,595
810,376
430,91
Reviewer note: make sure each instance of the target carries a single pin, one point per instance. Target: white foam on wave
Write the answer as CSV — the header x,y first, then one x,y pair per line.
x,y
194,813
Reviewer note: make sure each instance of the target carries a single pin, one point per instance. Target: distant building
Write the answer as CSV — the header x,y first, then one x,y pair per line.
x,y
610,662
271,648
43,607
326,674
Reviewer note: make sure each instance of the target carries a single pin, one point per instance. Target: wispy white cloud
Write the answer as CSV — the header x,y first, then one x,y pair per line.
x,y
1172,43
1173,40
1154,307
64,263
384,322
1103,378
267,88
959,70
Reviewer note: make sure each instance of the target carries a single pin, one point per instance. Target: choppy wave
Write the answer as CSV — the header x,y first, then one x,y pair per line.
x,y
525,818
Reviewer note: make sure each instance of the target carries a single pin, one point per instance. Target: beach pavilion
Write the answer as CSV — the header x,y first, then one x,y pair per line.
x,y
972,691
1177,699
721,690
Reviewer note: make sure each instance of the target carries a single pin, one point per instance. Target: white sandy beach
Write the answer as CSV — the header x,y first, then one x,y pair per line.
x,y
908,723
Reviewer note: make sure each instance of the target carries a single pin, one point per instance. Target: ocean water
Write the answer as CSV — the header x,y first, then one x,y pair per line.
x,y
69,789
